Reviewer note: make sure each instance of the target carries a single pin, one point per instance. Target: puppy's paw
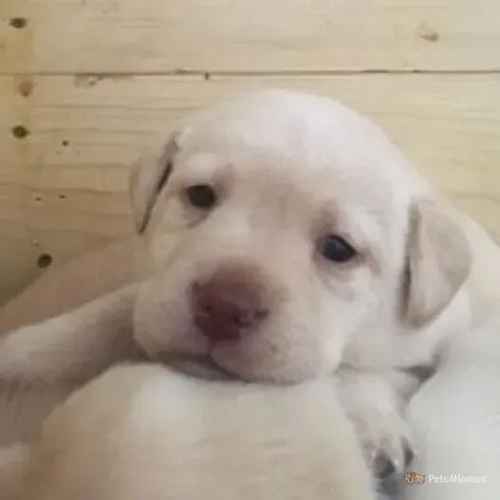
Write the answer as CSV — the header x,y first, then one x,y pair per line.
x,y
386,441
374,404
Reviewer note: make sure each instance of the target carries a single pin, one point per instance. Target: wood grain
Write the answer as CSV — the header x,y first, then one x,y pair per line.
x,y
160,36
85,85
63,186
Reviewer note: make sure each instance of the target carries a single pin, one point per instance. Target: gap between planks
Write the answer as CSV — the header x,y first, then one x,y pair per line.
x,y
208,74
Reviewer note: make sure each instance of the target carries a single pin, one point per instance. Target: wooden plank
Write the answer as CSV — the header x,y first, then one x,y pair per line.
x,y
160,36
448,124
63,186
34,223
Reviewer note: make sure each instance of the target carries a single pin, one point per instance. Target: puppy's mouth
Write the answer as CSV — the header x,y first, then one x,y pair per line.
x,y
199,366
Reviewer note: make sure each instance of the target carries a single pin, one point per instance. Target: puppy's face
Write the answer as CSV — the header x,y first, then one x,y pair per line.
x,y
279,235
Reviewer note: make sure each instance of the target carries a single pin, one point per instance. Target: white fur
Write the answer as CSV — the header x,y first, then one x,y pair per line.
x,y
146,432
315,168
456,420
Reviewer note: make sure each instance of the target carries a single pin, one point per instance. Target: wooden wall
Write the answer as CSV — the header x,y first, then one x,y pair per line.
x,y
85,85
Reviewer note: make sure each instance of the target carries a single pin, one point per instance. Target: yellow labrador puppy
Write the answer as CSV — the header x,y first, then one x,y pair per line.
x,y
280,237
149,433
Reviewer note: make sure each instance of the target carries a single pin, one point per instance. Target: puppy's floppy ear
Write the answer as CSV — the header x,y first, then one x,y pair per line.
x,y
439,261
147,178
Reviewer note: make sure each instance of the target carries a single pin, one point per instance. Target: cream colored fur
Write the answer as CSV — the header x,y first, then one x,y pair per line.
x,y
146,432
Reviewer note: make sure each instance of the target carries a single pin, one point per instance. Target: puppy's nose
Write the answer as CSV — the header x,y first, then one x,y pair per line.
x,y
228,305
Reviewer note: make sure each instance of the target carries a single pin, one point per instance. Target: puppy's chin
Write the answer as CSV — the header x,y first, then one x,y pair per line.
x,y
197,366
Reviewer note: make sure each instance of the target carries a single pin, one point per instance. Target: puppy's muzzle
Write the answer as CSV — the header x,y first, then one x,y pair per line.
x,y
230,304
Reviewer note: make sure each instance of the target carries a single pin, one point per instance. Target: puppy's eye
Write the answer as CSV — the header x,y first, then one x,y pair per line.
x,y
336,249
201,196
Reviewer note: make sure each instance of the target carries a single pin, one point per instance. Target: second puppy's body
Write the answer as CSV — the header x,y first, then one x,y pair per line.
x,y
146,432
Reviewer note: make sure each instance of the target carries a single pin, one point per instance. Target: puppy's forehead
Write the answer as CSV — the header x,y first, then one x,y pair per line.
x,y
300,144
281,128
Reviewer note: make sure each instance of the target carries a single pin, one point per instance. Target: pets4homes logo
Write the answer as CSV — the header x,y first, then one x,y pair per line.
x,y
419,478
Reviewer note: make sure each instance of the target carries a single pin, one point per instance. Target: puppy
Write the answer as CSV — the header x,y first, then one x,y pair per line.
x,y
282,237
147,432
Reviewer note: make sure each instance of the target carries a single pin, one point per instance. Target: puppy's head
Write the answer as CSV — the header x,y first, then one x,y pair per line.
x,y
280,226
